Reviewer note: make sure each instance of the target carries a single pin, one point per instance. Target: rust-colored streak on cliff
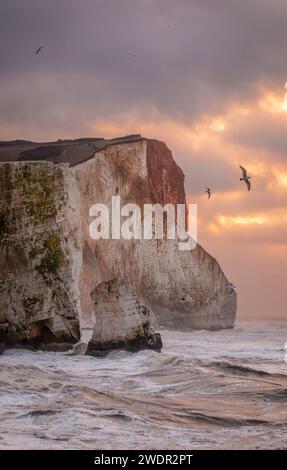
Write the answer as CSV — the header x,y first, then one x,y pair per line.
x,y
165,177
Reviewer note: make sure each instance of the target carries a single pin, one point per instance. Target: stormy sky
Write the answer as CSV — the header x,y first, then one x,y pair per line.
x,y
205,76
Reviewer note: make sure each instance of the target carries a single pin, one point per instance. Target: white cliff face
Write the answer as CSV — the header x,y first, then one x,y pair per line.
x,y
39,293
121,321
183,288
49,265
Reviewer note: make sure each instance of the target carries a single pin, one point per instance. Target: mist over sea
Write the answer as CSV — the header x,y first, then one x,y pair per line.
x,y
205,390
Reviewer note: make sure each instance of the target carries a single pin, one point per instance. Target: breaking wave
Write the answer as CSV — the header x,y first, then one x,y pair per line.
x,y
225,389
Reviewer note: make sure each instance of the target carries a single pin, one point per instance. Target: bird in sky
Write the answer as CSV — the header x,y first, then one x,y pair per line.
x,y
208,191
245,177
39,49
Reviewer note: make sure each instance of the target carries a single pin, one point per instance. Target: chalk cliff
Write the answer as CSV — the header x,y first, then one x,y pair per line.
x,y
49,265
183,288
39,293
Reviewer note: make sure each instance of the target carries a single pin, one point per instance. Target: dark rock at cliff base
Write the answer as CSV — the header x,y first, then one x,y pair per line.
x,y
122,322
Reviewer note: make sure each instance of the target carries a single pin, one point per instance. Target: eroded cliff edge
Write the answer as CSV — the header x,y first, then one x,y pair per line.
x,y
49,265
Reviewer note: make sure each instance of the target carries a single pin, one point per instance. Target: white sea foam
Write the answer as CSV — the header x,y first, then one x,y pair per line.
x,y
225,389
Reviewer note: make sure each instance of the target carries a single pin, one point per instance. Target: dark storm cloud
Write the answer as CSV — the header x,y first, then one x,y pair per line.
x,y
105,57
264,132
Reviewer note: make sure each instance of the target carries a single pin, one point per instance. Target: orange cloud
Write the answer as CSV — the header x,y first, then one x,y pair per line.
x,y
282,179
208,134
273,103
273,218
180,136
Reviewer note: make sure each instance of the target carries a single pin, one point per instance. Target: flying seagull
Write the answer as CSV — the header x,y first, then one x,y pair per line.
x,y
208,191
39,50
245,177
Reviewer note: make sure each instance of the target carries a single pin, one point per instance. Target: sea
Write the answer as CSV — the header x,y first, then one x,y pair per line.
x,y
205,390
